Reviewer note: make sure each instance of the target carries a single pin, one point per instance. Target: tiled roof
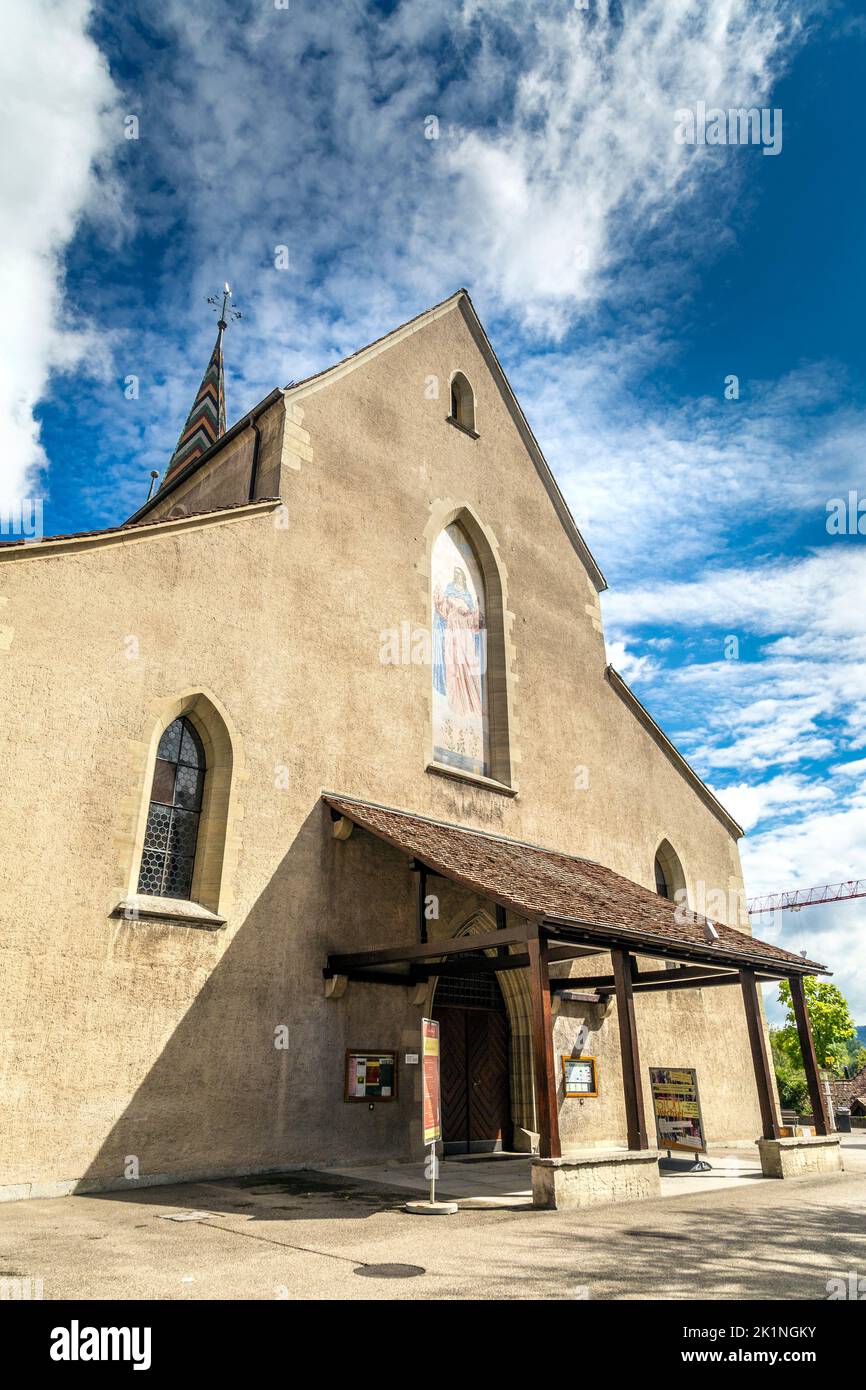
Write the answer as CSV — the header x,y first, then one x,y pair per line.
x,y
560,888
844,1092
135,525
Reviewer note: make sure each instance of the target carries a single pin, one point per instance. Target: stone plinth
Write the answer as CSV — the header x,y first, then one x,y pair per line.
x,y
594,1177
791,1158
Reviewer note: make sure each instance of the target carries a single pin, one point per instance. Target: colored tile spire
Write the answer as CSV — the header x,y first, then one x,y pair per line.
x,y
206,422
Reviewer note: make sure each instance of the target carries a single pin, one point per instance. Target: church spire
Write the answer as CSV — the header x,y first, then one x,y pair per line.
x,y
206,422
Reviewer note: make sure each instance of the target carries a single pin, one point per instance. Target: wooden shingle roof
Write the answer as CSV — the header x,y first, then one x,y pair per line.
x,y
563,890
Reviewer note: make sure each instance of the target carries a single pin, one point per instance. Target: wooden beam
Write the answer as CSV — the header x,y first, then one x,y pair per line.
x,y
760,1059
628,1045
817,1096
578,996
607,939
542,1050
573,952
709,983
394,955
644,978
682,972
487,965
382,977
585,981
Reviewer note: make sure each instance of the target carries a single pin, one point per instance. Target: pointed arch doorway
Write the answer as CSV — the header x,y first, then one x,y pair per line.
x,y
474,1052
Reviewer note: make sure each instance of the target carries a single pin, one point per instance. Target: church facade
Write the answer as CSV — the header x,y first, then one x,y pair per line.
x,y
336,696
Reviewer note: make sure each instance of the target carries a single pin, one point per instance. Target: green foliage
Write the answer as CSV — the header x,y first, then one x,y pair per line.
x,y
832,1025
853,1055
790,1077
793,1091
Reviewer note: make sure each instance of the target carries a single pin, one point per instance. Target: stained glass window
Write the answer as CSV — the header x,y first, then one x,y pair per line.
x,y
168,858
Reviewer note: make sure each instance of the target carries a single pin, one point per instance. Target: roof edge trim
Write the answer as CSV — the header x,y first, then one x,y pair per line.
x,y
143,530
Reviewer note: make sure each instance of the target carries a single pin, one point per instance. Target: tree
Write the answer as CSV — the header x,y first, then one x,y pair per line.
x,y
790,1077
831,1022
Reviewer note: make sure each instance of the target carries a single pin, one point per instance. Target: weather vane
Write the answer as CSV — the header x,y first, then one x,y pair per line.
x,y
227,313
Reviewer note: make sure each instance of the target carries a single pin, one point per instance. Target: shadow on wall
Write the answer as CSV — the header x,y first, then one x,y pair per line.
x,y
222,1097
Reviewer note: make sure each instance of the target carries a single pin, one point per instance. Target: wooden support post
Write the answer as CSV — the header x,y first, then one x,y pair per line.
x,y
760,1059
542,1049
810,1061
501,924
628,1044
422,904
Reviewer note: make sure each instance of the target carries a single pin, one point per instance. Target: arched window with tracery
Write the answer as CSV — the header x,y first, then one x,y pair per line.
x,y
171,836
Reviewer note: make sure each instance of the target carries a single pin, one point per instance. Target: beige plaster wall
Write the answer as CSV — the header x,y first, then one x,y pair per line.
x,y
156,1040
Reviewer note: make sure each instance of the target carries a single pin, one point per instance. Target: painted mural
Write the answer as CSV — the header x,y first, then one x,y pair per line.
x,y
460,732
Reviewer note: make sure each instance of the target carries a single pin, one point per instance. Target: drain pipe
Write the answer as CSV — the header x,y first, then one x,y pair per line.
x,y
254,468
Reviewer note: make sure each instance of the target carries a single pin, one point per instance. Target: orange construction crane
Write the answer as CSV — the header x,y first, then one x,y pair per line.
x,y
795,898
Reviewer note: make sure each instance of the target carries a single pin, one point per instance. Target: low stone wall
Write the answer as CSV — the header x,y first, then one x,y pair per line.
x,y
792,1158
594,1177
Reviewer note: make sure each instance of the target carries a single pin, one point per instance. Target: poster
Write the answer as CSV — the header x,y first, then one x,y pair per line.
x,y
370,1075
430,1080
677,1109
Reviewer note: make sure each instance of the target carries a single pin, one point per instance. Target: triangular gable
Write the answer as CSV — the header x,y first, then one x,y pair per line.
x,y
462,302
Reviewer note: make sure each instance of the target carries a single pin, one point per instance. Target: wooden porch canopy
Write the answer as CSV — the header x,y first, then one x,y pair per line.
x,y
574,907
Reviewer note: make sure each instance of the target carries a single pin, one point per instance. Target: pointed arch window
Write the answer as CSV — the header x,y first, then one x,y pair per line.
x,y
669,876
462,403
461,707
171,836
663,888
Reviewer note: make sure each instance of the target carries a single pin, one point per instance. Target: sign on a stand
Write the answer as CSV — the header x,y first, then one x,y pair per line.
x,y
431,1119
677,1109
430,1081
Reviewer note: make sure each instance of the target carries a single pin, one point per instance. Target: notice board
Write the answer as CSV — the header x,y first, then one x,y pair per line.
x,y
370,1075
677,1108
579,1076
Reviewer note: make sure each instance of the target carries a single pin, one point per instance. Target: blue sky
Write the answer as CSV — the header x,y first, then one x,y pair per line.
x,y
621,275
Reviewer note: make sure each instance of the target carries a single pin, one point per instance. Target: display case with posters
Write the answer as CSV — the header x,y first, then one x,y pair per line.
x,y
370,1075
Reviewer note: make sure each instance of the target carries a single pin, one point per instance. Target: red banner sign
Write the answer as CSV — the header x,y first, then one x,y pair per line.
x,y
430,1080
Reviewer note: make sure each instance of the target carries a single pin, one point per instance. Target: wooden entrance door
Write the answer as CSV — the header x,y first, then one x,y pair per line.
x,y
473,1042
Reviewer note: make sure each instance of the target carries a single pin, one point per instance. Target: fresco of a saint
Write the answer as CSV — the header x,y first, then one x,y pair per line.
x,y
460,737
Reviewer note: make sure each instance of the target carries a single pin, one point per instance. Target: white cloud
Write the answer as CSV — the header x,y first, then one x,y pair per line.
x,y
751,802
821,847
556,133
553,198
835,935
55,93
629,665
783,702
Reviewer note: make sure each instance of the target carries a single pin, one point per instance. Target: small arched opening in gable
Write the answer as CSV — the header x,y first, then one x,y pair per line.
x,y
462,402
